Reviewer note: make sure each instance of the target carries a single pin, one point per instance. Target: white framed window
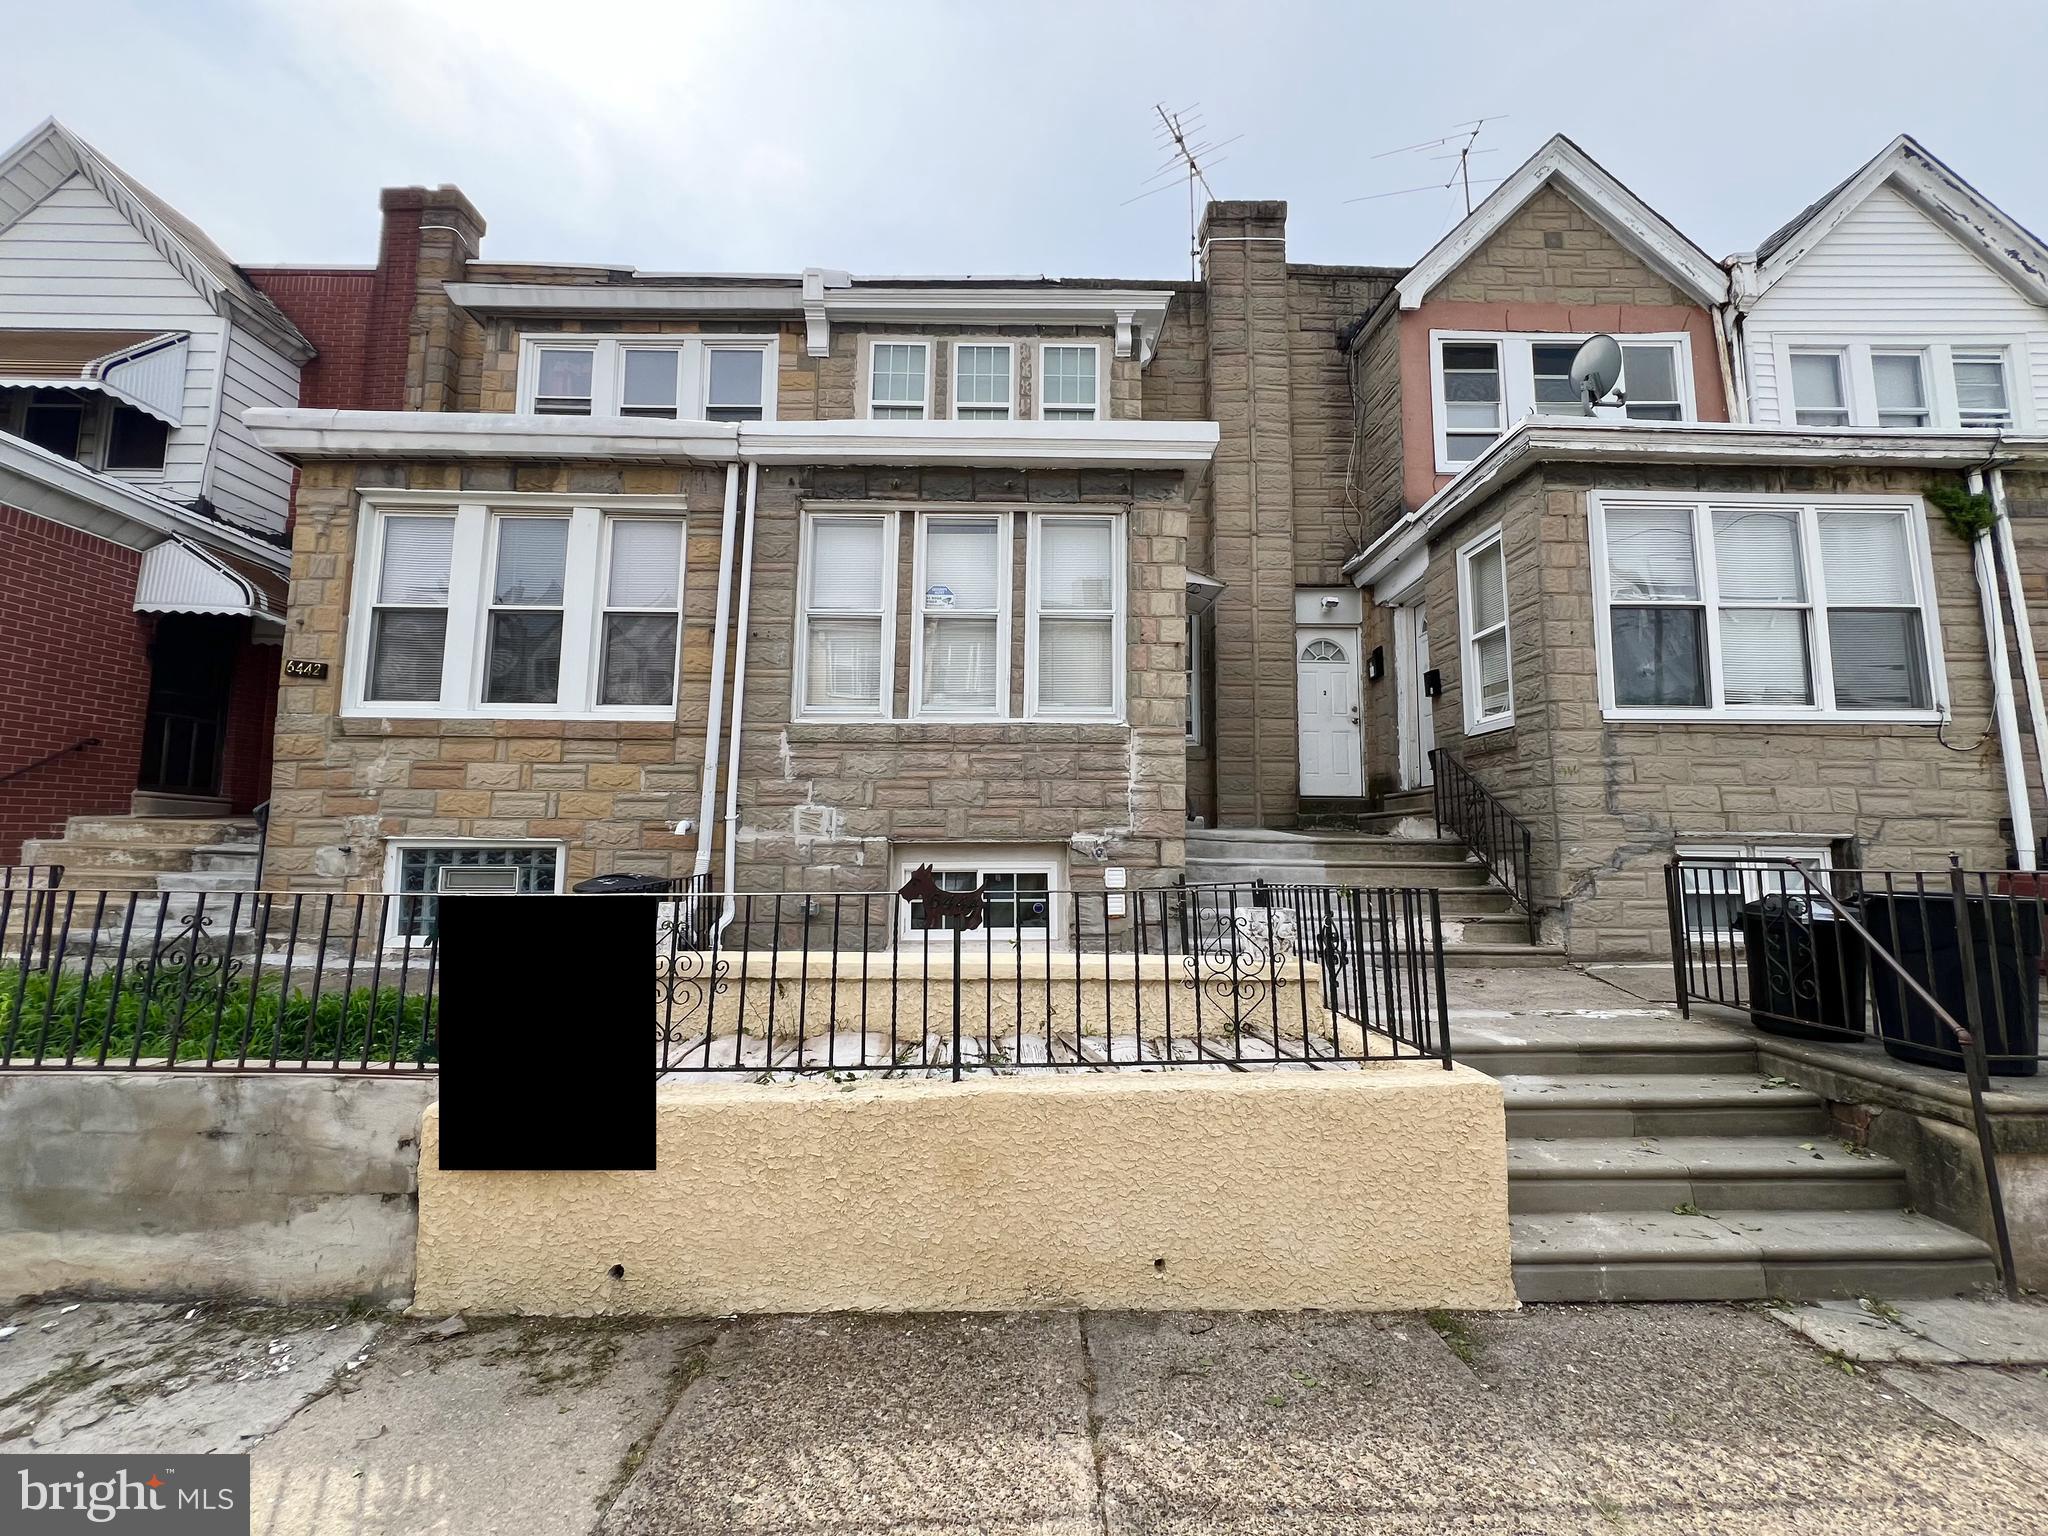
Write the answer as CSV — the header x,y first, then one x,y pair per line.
x,y
899,379
1982,398
1482,382
532,607
1764,607
1073,646
984,380
1023,890
1820,388
1069,381
1484,644
660,378
847,630
1899,385
960,646
422,870
1194,710
1714,894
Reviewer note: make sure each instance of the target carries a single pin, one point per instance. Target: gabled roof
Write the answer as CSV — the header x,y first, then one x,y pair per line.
x,y
1633,222
51,154
2000,242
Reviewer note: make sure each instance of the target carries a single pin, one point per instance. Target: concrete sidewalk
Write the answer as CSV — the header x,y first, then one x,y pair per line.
x,y
1555,1419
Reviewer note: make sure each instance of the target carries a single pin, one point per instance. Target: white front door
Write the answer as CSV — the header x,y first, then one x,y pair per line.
x,y
1416,709
1326,673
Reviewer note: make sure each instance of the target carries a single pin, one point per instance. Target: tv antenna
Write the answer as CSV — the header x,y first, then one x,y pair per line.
x,y
1461,145
1189,156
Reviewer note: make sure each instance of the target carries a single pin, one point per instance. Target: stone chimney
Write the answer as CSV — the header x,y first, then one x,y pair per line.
x,y
1244,268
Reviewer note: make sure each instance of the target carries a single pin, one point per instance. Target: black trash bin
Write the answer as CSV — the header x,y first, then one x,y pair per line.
x,y
624,885
1806,965
2006,955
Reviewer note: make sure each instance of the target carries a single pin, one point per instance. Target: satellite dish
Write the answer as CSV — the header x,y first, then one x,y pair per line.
x,y
1596,369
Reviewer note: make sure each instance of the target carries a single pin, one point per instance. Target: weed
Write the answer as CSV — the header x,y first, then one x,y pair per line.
x,y
1686,1208
1452,1330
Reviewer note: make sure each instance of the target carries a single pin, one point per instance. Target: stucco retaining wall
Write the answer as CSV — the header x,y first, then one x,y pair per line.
x,y
288,1187
1381,1188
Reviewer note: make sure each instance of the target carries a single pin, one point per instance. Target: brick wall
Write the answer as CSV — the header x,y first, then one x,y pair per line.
x,y
251,725
1608,800
332,308
75,656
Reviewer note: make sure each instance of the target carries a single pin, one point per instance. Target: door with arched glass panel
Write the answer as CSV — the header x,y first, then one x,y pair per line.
x,y
1327,712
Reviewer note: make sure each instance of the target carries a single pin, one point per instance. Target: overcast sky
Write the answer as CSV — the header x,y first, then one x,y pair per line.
x,y
957,138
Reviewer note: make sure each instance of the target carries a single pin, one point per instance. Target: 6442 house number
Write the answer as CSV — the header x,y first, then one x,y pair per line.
x,y
312,669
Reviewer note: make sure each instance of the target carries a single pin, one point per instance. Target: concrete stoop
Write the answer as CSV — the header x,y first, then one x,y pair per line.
x,y
1481,923
1649,1159
182,855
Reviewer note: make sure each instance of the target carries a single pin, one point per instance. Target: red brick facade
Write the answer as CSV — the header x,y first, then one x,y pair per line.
x,y
252,722
75,656
332,307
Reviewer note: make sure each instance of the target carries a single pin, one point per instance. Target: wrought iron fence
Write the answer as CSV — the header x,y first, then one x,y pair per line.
x,y
127,979
1482,820
1230,976
1940,968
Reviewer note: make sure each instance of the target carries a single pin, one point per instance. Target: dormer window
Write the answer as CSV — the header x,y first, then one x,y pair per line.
x,y
1981,400
713,378
1486,382
1904,385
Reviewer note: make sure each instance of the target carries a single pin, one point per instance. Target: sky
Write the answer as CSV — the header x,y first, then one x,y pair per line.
x,y
954,138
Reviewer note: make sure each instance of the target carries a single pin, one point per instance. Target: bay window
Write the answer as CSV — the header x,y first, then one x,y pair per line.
x,y
1069,381
1483,383
1483,631
658,378
1771,607
899,380
525,607
982,380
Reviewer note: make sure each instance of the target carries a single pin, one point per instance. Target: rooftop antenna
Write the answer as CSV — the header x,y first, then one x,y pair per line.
x,y
1461,145
1189,156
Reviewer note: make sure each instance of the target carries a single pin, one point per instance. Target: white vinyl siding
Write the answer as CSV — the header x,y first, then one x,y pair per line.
x,y
1888,278
73,260
1778,608
245,481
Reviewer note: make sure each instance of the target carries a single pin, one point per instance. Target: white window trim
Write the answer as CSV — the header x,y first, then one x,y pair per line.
x,y
1821,712
1937,375
1119,624
1751,883
892,540
1006,540
608,370
464,650
1195,724
1517,380
983,858
1468,641
867,374
1046,343
393,846
953,388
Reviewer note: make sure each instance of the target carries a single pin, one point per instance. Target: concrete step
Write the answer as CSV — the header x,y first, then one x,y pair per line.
x,y
211,882
1742,1255
1369,870
1587,1174
237,857
79,858
1251,843
167,831
1487,953
1630,1042
1656,1104
1455,902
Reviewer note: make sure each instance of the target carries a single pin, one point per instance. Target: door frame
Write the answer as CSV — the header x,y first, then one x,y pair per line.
x,y
1410,611
1352,637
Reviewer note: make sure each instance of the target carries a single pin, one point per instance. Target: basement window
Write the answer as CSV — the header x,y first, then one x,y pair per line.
x,y
1714,893
422,873
1021,893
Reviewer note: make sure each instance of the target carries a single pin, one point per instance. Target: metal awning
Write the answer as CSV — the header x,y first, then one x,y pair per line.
x,y
1202,592
178,577
145,369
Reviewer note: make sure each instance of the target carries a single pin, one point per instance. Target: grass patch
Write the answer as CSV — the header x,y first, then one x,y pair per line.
x,y
186,1013
1452,1330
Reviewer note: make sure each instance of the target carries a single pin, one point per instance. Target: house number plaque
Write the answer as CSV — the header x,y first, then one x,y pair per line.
x,y
312,669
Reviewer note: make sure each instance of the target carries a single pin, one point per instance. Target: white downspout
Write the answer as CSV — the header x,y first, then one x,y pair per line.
x,y
739,704
2016,797
2023,629
707,802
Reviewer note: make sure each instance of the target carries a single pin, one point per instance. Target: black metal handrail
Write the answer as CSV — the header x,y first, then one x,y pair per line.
x,y
1705,965
83,744
1482,820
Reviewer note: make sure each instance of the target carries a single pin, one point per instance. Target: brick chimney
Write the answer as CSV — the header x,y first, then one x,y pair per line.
x,y
430,236
1244,268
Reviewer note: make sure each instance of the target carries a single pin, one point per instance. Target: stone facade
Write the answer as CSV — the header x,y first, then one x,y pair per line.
x,y
1609,800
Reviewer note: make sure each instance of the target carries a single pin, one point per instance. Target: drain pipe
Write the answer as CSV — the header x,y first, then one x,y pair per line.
x,y
2016,797
2023,628
707,802
739,703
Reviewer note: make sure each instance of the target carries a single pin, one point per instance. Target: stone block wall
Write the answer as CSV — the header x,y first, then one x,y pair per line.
x,y
1609,800
1553,251
1321,303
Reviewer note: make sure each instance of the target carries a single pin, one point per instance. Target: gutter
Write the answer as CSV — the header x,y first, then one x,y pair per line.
x,y
2018,803
739,708
707,803
2023,629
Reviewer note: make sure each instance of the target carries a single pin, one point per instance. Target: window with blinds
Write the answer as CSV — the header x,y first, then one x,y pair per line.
x,y
1074,656
849,591
564,613
963,591
1763,606
653,378
1483,627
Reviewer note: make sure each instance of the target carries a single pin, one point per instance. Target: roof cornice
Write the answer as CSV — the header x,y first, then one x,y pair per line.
x,y
1632,221
1554,440
302,436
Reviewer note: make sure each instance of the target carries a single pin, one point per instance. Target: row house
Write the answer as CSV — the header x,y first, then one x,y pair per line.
x,y
1728,616
143,560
